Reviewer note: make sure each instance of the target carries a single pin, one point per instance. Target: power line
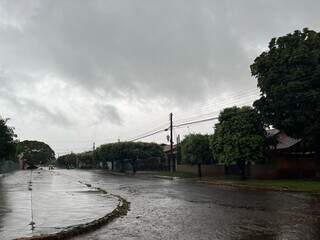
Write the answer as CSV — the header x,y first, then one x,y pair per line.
x,y
237,103
195,122
221,102
148,135
174,126
235,96
159,128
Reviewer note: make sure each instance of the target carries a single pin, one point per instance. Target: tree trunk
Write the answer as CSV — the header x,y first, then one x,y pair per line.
x,y
242,167
317,156
226,170
199,170
134,166
121,166
243,172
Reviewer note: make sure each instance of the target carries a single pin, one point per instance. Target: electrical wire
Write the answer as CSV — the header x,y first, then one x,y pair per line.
x,y
148,135
195,122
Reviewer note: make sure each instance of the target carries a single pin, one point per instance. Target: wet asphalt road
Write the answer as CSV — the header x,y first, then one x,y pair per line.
x,y
160,209
180,209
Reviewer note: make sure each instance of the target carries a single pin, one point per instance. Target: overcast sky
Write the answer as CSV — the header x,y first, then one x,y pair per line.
x,y
77,72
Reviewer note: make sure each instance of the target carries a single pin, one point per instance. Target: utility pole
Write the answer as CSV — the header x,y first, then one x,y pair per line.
x,y
171,145
93,155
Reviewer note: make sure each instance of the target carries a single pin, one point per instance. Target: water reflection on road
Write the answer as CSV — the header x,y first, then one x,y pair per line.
x,y
160,209
58,201
165,209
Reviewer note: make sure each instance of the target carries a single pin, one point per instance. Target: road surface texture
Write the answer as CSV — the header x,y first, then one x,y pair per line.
x,y
185,209
160,209
58,201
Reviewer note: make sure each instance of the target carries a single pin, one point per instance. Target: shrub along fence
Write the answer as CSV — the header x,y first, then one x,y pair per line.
x,y
8,166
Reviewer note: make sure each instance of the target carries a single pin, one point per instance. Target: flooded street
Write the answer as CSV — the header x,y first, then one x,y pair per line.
x,y
52,201
160,209
184,209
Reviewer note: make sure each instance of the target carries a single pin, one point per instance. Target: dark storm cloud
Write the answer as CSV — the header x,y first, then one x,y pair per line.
x,y
109,113
184,51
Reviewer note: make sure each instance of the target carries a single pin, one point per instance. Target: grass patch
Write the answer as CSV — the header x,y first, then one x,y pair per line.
x,y
275,184
174,174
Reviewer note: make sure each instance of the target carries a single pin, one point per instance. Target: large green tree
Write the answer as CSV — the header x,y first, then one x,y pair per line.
x,y
36,152
239,137
195,149
7,140
288,75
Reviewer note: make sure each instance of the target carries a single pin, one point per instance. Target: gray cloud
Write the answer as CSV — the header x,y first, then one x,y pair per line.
x,y
26,107
177,52
148,49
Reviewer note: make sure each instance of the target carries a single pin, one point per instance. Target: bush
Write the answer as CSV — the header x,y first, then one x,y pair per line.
x,y
195,149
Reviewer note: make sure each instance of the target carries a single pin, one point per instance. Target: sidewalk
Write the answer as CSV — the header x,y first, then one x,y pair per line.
x,y
52,201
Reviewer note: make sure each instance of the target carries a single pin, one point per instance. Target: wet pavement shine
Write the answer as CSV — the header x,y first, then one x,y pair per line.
x,y
160,209
185,209
49,199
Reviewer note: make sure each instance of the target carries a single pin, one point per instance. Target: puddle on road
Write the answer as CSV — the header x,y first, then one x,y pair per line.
x,y
57,202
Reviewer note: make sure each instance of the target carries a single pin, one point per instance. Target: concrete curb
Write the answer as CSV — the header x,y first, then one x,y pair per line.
x,y
142,175
121,210
164,177
155,176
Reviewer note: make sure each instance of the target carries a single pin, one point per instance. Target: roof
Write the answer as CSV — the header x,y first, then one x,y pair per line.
x,y
284,141
272,132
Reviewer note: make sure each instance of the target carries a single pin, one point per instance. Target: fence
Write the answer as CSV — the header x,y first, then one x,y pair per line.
x,y
281,168
206,170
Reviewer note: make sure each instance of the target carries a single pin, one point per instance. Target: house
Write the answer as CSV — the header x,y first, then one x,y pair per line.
x,y
24,163
288,157
284,143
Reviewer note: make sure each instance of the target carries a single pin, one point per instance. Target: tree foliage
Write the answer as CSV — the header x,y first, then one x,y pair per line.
x,y
239,137
36,152
288,76
67,161
129,150
195,149
113,152
7,140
